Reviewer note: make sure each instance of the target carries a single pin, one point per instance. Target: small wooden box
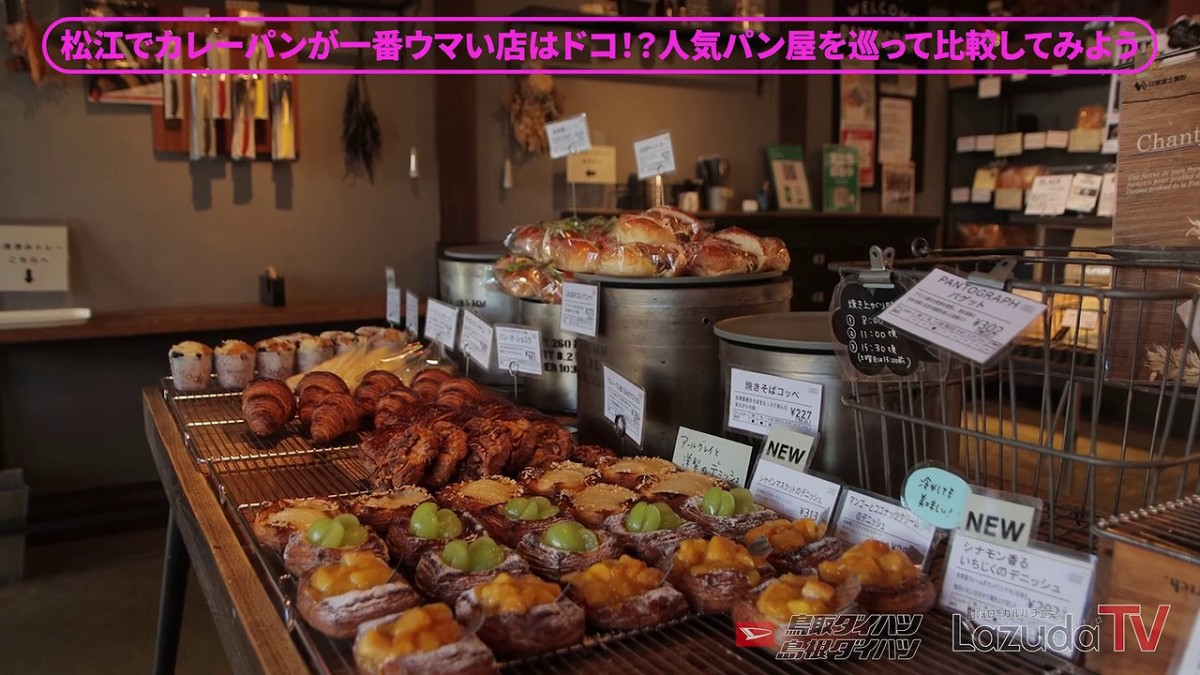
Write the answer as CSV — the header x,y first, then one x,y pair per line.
x,y
1148,558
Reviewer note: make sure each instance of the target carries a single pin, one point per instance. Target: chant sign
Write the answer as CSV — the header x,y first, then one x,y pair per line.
x,y
873,347
713,455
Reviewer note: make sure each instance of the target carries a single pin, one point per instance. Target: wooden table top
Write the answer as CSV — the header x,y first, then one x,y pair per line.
x,y
251,630
183,320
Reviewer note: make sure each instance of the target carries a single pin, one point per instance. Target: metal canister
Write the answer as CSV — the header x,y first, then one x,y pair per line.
x,y
799,346
465,280
661,338
557,389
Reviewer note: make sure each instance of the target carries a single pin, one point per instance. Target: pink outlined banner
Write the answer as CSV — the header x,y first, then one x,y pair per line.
x,y
495,46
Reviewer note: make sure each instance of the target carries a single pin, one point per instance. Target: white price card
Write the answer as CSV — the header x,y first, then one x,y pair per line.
x,y
1107,202
779,485
998,520
1188,661
519,350
713,455
580,304
477,339
34,258
412,313
1085,192
864,516
626,400
989,87
758,402
1048,196
960,195
655,155
964,144
974,322
568,136
1010,145
985,143
393,297
1035,140
1058,139
981,196
1032,591
441,323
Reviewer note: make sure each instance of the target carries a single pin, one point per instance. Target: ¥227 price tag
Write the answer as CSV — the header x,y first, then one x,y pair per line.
x,y
972,321
624,404
568,136
519,350
655,155
477,339
758,402
441,323
579,308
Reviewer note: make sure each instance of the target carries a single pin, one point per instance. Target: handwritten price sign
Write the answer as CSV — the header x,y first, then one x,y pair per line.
x,y
713,455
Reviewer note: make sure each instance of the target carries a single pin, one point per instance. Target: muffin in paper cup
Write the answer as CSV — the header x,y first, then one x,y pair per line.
x,y
234,361
191,366
276,358
312,352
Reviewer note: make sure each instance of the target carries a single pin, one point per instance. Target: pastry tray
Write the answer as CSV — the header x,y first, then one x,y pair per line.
x,y
245,472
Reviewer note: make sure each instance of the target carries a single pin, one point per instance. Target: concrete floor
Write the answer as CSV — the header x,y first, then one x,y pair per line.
x,y
90,606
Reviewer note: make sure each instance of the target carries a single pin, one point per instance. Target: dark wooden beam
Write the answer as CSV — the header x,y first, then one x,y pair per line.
x,y
457,155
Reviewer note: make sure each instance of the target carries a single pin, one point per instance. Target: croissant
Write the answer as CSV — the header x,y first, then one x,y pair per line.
x,y
312,390
267,405
372,387
395,406
335,415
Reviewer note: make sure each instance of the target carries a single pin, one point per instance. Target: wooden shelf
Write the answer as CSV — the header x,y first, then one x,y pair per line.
x,y
181,320
728,217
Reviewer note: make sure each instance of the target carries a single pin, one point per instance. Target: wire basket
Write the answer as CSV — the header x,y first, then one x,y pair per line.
x,y
1094,410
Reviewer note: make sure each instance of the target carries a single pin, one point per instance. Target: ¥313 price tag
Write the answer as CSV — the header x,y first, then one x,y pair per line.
x,y
568,136
477,339
519,350
441,323
624,400
972,321
412,313
655,155
579,308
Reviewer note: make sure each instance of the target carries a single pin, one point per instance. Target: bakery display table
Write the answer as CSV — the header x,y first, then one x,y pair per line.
x,y
205,533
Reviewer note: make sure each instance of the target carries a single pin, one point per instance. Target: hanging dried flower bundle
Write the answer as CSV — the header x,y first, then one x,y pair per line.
x,y
532,102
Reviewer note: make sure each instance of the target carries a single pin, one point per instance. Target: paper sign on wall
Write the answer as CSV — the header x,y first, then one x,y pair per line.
x,y
568,136
758,402
579,308
864,516
626,400
33,258
477,337
519,350
441,323
975,322
655,155
1035,589
713,455
412,313
794,494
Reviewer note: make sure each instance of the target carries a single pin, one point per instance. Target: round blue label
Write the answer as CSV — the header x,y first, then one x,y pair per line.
x,y
936,496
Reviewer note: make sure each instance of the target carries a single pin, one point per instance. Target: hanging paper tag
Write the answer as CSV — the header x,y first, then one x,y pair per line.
x,y
441,322
568,136
655,155
477,339
519,350
579,308
713,455
975,322
627,400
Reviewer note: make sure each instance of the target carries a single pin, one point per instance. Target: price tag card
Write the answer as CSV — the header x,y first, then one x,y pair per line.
x,y
626,399
477,339
519,350
713,455
568,136
985,143
778,486
758,402
393,306
974,322
960,195
862,516
1049,195
989,87
1058,139
441,323
412,313
1034,590
655,155
1035,140
1010,145
580,303
964,144
981,196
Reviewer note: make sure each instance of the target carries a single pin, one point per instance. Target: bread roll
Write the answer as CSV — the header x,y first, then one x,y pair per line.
x,y
571,253
775,255
528,241
716,258
744,241
642,260
641,229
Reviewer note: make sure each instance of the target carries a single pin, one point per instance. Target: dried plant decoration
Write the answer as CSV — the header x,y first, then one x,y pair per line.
x,y
1166,367
532,102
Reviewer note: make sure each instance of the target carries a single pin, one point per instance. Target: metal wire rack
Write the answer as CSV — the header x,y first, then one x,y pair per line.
x,y
245,474
1096,413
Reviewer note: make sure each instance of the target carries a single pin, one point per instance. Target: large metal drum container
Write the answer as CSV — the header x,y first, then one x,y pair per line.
x,y
661,338
799,346
556,390
465,280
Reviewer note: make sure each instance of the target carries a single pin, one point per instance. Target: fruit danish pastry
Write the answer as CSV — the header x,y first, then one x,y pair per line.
x,y
714,573
891,583
520,516
522,615
651,530
593,504
275,522
429,528
461,565
779,601
728,513
424,640
558,477
625,594
564,548
327,540
677,487
336,599
795,546
378,510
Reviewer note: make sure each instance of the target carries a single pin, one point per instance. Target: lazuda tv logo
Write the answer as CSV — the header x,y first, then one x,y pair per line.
x,y
1058,637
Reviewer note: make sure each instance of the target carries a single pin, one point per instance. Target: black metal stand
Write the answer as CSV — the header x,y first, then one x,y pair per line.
x,y
176,565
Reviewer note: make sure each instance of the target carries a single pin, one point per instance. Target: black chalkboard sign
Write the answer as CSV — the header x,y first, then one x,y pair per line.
x,y
872,346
